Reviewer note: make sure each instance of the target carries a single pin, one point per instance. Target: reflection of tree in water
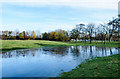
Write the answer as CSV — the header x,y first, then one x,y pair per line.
x,y
17,53
111,51
75,50
33,52
98,49
7,55
57,50
104,50
24,53
106,53
84,48
91,54
83,51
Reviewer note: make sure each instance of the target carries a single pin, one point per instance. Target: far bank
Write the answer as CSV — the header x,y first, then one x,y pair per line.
x,y
8,45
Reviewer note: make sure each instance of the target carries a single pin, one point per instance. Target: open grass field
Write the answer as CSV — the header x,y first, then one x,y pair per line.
x,y
98,67
23,44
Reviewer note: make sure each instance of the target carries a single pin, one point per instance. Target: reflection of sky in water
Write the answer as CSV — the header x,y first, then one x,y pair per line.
x,y
49,61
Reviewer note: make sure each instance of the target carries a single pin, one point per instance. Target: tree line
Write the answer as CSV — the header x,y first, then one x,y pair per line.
x,y
58,35
85,32
106,31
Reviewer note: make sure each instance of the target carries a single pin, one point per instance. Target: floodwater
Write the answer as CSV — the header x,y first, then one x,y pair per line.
x,y
49,61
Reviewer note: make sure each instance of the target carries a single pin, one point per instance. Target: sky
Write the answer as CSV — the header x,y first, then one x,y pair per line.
x,y
49,15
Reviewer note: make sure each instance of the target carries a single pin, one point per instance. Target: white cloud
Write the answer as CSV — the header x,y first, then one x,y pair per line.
x,y
98,4
36,26
102,4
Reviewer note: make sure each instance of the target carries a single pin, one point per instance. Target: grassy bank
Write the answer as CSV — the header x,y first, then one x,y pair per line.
x,y
23,44
98,67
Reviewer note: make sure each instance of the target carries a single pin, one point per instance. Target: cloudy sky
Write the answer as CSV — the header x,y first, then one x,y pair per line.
x,y
48,15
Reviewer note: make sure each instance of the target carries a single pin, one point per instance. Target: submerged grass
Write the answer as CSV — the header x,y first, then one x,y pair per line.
x,y
23,44
98,67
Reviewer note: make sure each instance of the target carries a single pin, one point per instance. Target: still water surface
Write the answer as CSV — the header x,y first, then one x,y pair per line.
x,y
49,61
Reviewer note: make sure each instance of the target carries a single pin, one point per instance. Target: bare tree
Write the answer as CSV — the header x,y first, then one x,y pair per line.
x,y
96,31
80,28
89,29
113,26
105,30
74,34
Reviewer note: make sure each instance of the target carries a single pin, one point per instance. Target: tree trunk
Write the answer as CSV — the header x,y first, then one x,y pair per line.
x,y
110,51
76,40
105,40
118,31
90,39
110,37
85,41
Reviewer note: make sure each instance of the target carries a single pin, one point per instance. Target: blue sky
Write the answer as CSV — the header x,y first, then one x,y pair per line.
x,y
48,16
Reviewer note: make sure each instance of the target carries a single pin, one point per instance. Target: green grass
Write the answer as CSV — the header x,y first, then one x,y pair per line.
x,y
98,67
23,44
99,43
